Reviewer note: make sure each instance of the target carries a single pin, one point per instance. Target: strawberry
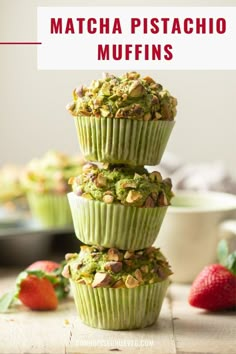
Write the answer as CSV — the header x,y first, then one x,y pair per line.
x,y
46,266
39,287
37,293
214,288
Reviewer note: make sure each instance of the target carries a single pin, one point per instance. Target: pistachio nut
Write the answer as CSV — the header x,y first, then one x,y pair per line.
x,y
131,282
101,280
133,196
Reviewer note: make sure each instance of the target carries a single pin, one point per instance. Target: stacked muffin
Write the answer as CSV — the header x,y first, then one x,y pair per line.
x,y
118,279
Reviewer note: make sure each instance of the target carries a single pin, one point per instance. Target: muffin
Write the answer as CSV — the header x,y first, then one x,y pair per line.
x,y
118,205
116,289
11,188
46,183
125,119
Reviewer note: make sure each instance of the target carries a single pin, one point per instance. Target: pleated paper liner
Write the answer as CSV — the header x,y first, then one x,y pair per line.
x,y
52,210
125,141
119,309
115,225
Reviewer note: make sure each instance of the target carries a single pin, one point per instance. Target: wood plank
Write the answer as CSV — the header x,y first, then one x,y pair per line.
x,y
60,331
197,331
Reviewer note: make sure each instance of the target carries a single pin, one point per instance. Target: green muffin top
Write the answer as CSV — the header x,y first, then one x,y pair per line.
x,y
101,267
51,172
127,96
131,186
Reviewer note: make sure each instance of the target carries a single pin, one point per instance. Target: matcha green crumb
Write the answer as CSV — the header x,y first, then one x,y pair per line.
x,y
101,267
128,96
130,186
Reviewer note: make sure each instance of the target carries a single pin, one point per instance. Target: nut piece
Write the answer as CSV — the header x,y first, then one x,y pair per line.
x,y
101,279
147,116
128,255
79,91
115,267
119,284
70,107
167,181
81,281
149,80
157,116
108,199
131,282
162,200
133,196
114,255
71,180
132,75
66,271
144,268
104,111
150,250
154,196
149,203
128,262
155,176
136,89
138,275
100,181
88,166
128,185
69,256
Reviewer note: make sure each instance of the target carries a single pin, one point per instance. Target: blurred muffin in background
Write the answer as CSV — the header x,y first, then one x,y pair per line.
x,y
13,202
10,186
45,181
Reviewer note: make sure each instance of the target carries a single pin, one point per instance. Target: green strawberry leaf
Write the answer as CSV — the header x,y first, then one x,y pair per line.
x,y
222,252
226,259
231,262
62,288
6,301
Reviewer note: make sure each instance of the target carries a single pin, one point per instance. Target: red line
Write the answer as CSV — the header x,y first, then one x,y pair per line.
x,y
19,43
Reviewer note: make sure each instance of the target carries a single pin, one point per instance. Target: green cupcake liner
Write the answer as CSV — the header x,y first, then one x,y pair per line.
x,y
126,141
119,309
52,210
115,225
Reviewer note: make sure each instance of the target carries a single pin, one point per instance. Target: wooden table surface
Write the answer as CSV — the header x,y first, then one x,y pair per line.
x,y
180,329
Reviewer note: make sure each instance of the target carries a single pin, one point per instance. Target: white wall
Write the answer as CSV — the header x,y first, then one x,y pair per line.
x,y
33,118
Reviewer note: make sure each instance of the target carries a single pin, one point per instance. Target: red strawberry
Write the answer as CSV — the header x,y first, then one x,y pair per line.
x,y
39,287
38,293
215,287
46,266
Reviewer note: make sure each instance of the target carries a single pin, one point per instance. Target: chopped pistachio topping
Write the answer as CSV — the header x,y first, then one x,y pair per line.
x,y
101,267
131,186
127,96
51,173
